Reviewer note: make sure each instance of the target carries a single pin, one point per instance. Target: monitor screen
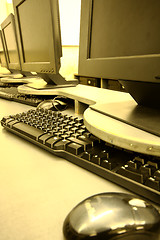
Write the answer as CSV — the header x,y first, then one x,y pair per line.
x,y
10,42
2,52
124,29
35,36
120,40
39,38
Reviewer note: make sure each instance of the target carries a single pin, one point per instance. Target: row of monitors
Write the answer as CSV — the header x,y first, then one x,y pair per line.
x,y
9,52
117,41
30,40
113,36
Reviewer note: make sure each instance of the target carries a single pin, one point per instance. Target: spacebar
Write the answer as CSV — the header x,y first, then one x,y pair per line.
x,y
28,130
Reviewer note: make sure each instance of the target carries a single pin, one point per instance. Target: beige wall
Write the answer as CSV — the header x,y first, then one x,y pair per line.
x,y
70,21
5,9
69,62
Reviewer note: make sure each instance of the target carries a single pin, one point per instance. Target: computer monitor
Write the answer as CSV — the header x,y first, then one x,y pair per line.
x,y
10,43
39,39
120,40
11,52
2,52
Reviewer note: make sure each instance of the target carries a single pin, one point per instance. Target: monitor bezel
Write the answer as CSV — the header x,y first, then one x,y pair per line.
x,y
11,20
3,63
127,68
53,66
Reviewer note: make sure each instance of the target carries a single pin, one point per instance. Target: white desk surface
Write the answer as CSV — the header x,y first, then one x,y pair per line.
x,y
38,189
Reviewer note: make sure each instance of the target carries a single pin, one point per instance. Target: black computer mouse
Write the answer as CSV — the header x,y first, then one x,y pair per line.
x,y
112,216
57,104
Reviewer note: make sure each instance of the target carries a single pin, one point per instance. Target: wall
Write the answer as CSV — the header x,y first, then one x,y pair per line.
x,y
70,27
70,21
5,9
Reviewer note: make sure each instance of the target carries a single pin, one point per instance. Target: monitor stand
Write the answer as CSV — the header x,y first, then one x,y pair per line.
x,y
49,82
11,75
144,118
21,80
145,115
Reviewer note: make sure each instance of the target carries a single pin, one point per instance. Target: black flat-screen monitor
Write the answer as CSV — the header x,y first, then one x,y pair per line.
x,y
2,52
11,51
39,39
120,40
10,43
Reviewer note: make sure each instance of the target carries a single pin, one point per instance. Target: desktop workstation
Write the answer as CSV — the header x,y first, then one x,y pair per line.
x,y
11,53
12,75
44,187
11,60
9,50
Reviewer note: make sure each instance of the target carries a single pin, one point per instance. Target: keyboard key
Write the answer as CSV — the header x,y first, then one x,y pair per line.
x,y
72,118
61,145
87,134
74,129
146,170
153,166
132,175
51,141
93,141
58,134
79,120
43,138
140,161
78,125
10,123
132,165
96,159
28,130
106,154
157,175
86,145
62,125
153,183
74,148
108,164
75,135
81,131
86,155
68,127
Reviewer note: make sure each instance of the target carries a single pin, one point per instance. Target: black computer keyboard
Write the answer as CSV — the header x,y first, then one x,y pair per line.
x,y
12,94
67,137
7,85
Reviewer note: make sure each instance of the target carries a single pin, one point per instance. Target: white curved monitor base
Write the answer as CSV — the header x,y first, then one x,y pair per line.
x,y
17,79
121,134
